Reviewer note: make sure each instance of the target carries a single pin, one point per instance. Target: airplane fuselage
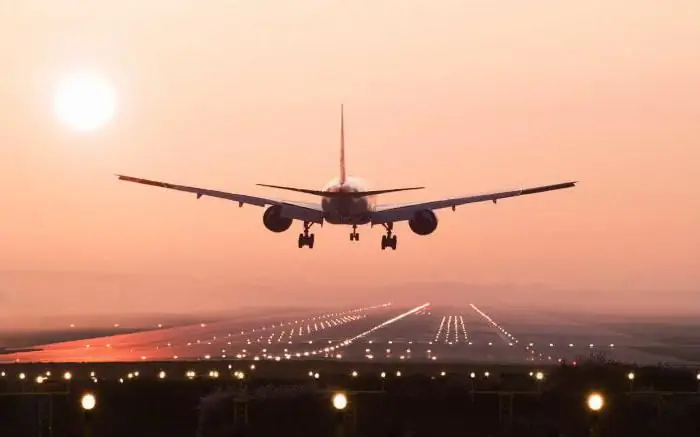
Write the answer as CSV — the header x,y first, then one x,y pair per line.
x,y
347,210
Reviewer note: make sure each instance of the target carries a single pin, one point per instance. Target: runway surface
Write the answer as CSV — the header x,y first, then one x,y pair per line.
x,y
384,332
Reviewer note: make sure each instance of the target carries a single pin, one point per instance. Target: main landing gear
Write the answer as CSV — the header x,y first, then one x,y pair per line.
x,y
306,239
389,240
354,236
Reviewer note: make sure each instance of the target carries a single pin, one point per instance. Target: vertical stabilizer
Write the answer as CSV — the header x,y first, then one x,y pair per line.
x,y
342,147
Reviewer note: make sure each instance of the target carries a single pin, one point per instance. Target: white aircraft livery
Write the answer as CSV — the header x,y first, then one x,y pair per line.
x,y
345,201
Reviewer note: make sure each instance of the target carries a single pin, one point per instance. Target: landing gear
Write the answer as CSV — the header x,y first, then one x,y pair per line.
x,y
354,236
306,239
389,240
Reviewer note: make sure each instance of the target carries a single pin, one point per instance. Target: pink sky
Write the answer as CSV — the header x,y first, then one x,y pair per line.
x,y
460,96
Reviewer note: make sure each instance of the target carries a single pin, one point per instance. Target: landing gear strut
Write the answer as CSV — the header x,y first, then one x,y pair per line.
x,y
388,240
306,239
354,236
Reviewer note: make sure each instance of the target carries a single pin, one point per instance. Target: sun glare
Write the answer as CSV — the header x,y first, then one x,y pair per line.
x,y
85,102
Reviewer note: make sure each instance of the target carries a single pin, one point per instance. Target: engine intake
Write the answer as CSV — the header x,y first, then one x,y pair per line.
x,y
424,222
273,220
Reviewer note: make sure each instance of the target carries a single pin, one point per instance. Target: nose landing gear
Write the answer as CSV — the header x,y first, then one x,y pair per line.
x,y
305,238
354,236
389,240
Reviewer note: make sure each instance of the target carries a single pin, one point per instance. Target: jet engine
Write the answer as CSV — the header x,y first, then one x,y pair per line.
x,y
273,220
424,222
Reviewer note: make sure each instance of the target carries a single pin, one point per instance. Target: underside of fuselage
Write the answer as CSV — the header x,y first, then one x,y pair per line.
x,y
347,210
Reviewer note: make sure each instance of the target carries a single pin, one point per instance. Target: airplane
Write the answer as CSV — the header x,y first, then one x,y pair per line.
x,y
346,201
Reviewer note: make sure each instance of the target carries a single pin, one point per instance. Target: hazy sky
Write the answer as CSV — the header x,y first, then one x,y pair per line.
x,y
460,96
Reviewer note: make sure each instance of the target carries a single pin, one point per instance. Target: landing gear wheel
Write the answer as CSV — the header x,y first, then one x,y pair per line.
x,y
389,240
305,238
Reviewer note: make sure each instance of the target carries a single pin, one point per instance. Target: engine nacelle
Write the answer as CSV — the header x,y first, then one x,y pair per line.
x,y
424,222
273,220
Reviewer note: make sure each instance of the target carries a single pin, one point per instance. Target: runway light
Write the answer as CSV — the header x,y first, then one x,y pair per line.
x,y
595,402
340,401
88,401
630,376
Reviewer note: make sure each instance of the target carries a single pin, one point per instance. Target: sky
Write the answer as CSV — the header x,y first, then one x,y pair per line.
x,y
462,97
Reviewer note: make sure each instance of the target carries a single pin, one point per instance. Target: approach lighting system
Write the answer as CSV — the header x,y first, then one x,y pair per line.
x,y
88,401
595,402
340,401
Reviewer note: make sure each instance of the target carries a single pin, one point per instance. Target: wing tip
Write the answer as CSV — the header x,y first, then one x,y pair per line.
x,y
123,177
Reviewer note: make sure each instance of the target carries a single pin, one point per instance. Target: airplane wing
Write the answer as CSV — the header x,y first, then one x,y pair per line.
x,y
397,213
309,212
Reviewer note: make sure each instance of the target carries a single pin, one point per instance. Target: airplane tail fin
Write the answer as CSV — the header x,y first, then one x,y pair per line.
x,y
342,147
342,180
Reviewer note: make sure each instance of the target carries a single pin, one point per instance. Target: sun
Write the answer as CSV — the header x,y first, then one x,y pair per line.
x,y
85,101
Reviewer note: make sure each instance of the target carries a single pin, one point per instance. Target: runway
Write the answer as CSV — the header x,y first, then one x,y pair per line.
x,y
382,332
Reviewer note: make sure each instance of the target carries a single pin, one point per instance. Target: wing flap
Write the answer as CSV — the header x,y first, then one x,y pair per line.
x,y
294,210
396,213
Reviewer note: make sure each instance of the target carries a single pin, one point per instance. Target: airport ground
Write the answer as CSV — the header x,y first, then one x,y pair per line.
x,y
385,332
478,370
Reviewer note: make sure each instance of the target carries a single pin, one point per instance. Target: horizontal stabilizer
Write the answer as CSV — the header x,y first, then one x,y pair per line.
x,y
340,193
